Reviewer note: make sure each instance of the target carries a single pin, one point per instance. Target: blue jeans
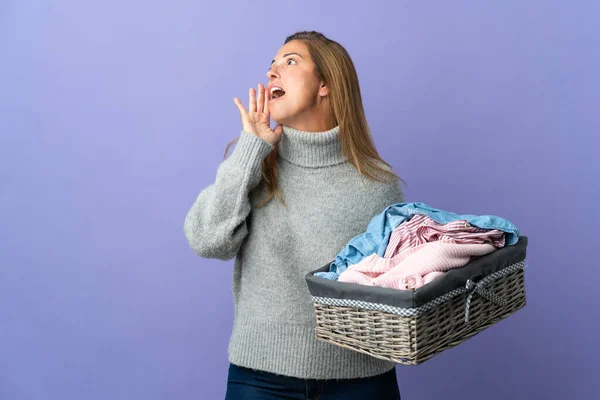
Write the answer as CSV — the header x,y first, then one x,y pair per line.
x,y
248,384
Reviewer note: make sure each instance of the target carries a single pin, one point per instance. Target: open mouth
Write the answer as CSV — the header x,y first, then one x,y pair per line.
x,y
277,92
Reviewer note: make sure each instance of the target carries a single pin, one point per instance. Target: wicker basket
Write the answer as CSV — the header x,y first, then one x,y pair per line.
x,y
411,326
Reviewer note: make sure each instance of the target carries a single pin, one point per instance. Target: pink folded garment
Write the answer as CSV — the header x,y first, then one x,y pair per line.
x,y
415,266
421,229
431,276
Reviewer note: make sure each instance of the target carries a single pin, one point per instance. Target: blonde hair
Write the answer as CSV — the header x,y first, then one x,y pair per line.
x,y
335,68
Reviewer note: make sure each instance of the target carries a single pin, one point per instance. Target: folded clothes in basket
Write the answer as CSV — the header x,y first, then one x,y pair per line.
x,y
421,250
376,238
416,267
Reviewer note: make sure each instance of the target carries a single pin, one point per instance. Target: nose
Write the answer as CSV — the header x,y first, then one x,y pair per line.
x,y
272,73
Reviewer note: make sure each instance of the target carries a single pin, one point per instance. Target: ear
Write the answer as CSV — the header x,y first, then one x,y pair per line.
x,y
323,90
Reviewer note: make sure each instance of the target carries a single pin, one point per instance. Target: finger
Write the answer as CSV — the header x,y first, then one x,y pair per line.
x,y
240,106
261,98
266,107
251,101
267,98
278,129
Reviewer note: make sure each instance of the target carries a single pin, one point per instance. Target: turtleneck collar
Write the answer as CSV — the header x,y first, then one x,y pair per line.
x,y
311,149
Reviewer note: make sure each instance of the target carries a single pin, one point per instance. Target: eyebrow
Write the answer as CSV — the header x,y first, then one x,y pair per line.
x,y
288,54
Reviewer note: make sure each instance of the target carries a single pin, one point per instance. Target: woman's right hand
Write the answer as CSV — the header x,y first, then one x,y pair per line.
x,y
257,120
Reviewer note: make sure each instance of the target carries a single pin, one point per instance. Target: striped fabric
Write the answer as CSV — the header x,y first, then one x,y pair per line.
x,y
421,229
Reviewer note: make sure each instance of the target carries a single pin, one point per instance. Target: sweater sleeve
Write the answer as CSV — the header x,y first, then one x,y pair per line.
x,y
215,226
388,193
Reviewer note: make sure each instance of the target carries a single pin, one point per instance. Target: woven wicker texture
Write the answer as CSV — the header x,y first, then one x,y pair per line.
x,y
411,340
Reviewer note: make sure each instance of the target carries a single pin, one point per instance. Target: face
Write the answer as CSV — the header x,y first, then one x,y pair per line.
x,y
302,102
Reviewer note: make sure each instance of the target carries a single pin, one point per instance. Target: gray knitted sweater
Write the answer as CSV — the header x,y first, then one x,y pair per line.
x,y
328,203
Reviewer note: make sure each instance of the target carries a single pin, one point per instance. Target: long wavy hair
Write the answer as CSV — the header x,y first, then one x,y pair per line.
x,y
335,68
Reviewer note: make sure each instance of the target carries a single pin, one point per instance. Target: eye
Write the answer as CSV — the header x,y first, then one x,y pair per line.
x,y
291,60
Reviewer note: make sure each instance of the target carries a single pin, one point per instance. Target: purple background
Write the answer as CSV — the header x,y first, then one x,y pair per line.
x,y
115,115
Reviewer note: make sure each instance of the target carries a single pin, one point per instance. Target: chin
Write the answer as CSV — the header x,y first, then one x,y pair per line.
x,y
283,115
280,118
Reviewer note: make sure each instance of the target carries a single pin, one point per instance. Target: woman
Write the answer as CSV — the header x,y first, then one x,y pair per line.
x,y
285,202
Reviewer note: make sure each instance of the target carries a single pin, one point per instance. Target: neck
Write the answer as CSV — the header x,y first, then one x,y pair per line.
x,y
312,149
314,119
